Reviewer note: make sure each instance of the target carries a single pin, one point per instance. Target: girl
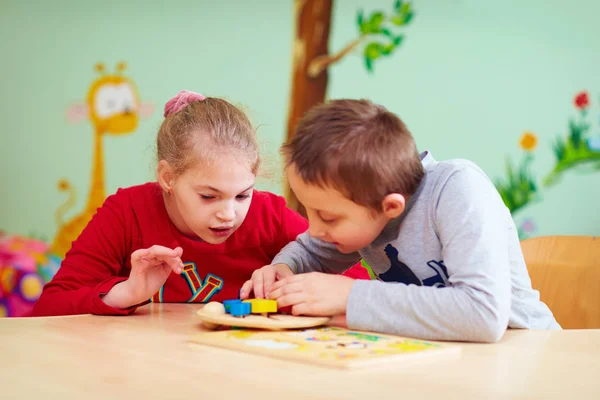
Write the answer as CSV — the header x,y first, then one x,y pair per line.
x,y
195,235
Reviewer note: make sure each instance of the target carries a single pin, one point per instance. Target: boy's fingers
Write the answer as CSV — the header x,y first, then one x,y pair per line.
x,y
291,300
286,281
285,290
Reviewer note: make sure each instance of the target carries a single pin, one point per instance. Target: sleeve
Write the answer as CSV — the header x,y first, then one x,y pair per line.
x,y
473,226
92,266
307,254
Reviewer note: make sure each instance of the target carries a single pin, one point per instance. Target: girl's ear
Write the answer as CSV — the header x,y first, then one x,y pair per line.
x,y
164,176
393,205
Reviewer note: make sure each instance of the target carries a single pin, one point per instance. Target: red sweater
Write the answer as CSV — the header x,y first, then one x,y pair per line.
x,y
136,218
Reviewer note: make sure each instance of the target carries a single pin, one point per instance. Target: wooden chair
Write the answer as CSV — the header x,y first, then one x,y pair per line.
x,y
566,271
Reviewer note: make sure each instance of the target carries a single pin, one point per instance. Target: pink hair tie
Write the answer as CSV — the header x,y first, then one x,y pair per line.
x,y
181,100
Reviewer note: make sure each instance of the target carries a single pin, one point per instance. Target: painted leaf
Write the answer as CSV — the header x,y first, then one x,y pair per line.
x,y
405,8
360,20
375,22
398,39
373,50
397,20
397,5
387,32
388,49
368,63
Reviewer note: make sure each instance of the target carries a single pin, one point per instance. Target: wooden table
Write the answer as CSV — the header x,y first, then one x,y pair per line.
x,y
148,356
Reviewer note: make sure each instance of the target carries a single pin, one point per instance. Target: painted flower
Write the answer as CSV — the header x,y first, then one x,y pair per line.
x,y
528,226
63,184
582,100
528,141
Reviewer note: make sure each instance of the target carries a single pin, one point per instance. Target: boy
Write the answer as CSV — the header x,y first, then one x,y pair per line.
x,y
437,235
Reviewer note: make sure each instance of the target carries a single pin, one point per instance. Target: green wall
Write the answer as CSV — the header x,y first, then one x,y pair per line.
x,y
469,78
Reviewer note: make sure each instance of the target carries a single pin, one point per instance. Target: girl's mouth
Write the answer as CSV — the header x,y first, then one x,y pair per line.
x,y
221,231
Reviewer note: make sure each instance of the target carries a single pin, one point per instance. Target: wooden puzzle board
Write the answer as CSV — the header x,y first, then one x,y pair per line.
x,y
327,346
272,322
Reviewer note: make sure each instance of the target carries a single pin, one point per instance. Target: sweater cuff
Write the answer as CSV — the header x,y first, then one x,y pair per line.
x,y
101,308
281,259
357,309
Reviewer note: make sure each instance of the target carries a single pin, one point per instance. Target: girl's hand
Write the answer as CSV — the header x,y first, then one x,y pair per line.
x,y
150,269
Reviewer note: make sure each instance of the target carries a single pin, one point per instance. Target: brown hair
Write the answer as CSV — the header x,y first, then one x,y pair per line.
x,y
200,130
358,148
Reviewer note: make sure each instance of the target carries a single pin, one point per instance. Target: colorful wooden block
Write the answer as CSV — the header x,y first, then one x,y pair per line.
x,y
239,309
262,306
228,303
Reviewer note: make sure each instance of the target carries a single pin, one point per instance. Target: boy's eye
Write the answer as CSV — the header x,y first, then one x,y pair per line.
x,y
328,219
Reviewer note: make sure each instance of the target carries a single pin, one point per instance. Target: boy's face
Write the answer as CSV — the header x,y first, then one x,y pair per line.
x,y
334,218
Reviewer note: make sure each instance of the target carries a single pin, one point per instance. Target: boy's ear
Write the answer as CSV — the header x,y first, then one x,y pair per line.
x,y
164,176
393,205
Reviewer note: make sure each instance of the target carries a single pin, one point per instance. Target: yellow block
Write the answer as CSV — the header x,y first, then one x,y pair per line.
x,y
259,306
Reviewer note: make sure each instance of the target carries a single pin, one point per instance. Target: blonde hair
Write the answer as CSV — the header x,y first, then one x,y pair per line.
x,y
199,129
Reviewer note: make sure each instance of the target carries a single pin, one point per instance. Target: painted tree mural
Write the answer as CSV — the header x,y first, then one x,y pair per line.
x,y
379,35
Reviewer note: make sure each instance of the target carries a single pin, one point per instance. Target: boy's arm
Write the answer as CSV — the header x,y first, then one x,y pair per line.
x,y
307,254
90,269
473,227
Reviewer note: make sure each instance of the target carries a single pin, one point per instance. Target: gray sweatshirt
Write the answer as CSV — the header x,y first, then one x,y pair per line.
x,y
449,268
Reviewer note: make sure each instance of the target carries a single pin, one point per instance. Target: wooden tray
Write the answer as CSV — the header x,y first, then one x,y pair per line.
x,y
272,322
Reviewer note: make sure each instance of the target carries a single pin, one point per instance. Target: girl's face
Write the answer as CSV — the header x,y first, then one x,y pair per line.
x,y
211,201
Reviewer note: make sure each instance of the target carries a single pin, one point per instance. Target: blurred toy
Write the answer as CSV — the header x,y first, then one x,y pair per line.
x,y
25,267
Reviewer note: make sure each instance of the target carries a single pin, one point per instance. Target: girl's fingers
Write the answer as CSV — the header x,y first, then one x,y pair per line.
x,y
161,251
246,290
139,254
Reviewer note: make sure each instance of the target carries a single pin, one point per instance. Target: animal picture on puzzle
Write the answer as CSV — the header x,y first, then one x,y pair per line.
x,y
331,346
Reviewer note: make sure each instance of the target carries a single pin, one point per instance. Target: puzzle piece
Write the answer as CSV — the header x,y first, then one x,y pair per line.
x,y
240,309
262,306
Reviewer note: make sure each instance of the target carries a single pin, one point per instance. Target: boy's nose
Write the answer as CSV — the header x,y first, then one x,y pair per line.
x,y
315,230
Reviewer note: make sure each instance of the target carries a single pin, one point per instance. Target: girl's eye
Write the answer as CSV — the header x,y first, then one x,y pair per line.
x,y
242,196
206,197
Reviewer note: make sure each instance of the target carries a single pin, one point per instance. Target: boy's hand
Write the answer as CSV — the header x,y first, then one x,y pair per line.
x,y
150,268
263,279
314,293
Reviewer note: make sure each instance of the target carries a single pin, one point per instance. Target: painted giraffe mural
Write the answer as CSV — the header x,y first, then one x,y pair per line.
x,y
113,107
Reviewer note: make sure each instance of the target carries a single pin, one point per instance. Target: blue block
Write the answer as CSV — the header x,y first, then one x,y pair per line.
x,y
228,303
239,309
